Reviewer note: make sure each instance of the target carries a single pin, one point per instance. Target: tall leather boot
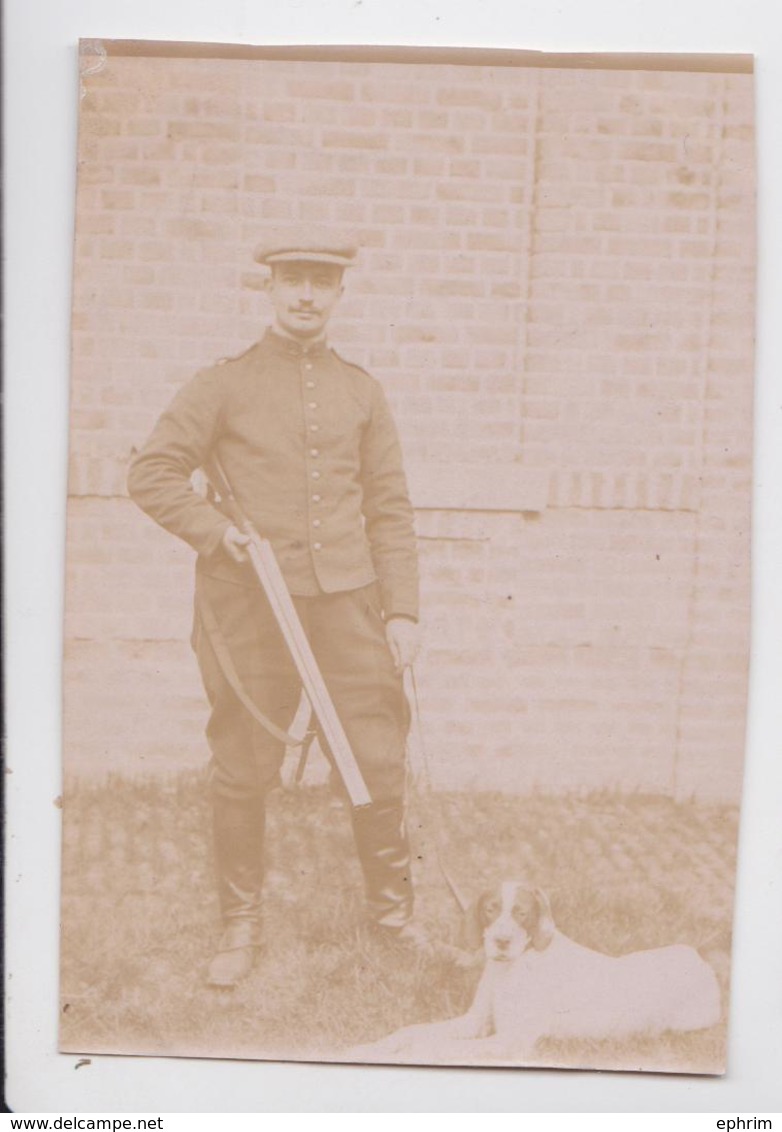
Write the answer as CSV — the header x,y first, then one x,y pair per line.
x,y
238,842
384,855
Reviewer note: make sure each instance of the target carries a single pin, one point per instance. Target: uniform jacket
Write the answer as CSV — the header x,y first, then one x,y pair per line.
x,y
310,449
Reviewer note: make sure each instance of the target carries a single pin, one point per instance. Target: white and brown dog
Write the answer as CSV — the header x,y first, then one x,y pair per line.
x,y
538,984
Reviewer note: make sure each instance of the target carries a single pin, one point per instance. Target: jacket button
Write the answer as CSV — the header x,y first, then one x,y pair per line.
x,y
316,499
316,475
313,404
316,522
318,546
314,452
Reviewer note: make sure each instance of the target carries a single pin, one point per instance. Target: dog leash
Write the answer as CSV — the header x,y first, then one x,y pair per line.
x,y
223,657
415,711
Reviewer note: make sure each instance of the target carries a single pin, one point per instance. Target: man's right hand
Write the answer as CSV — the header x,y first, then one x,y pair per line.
x,y
234,543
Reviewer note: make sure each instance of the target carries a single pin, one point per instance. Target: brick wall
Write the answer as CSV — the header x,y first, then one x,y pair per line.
x,y
556,289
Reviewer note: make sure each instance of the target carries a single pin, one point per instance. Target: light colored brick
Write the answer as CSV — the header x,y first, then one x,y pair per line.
x,y
534,292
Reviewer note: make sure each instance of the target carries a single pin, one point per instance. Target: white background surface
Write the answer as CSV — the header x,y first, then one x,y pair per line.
x,y
41,97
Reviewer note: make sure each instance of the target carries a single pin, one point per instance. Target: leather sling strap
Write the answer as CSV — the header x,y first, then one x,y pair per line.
x,y
223,657
451,884
267,570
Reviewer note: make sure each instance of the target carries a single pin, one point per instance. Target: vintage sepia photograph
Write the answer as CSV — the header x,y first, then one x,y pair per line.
x,y
408,555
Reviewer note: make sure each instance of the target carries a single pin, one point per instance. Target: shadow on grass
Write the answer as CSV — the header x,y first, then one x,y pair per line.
x,y
140,917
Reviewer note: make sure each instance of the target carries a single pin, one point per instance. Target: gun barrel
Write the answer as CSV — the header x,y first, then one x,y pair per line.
x,y
267,570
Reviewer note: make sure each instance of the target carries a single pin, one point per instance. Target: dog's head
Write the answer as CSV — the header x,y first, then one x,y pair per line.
x,y
509,920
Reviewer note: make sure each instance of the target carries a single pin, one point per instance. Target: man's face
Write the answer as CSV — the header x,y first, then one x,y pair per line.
x,y
303,295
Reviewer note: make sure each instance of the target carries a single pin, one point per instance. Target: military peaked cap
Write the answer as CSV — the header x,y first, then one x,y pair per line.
x,y
309,244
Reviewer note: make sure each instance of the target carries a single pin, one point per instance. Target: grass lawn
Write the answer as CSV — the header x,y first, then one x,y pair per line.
x,y
140,917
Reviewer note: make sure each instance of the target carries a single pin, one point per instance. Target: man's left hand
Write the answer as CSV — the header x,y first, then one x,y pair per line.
x,y
403,638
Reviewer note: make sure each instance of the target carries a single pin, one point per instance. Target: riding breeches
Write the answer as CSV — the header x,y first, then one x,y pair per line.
x,y
347,634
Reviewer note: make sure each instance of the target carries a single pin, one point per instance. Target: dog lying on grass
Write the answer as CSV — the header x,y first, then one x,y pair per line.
x,y
537,983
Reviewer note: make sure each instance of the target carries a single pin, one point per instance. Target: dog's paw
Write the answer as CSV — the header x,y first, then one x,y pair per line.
x,y
374,1051
365,1052
458,956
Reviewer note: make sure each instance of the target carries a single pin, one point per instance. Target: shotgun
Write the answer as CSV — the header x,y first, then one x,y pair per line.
x,y
267,570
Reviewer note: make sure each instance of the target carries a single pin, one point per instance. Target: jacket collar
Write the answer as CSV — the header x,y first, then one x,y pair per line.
x,y
292,347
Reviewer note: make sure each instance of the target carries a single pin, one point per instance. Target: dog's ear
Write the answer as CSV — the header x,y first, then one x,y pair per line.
x,y
544,929
472,933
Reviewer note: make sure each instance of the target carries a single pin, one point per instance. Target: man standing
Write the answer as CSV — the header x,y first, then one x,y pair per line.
x,y
309,447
